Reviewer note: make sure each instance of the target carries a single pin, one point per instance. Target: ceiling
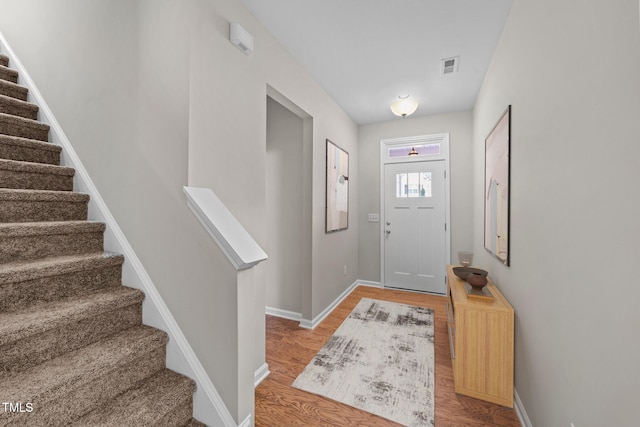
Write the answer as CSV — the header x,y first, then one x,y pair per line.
x,y
366,53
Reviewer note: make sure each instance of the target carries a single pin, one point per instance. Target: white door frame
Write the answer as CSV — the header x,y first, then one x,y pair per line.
x,y
385,144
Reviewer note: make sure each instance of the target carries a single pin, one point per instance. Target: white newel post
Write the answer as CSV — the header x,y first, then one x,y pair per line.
x,y
246,346
244,253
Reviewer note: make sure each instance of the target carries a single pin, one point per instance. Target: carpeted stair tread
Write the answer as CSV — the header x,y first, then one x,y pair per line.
x,y
25,128
80,381
16,107
20,194
18,205
19,166
35,176
28,283
148,404
29,150
46,331
36,240
32,269
40,318
107,316
8,74
14,90
4,60
50,227
52,376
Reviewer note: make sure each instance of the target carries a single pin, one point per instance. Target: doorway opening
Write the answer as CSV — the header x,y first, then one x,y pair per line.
x,y
288,206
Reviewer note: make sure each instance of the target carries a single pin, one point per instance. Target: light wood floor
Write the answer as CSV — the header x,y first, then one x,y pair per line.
x,y
290,348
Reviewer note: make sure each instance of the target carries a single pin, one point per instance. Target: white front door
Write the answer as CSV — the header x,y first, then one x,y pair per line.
x,y
414,226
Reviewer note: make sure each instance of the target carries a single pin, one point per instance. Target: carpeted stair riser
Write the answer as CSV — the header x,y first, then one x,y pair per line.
x,y
35,176
29,150
14,90
25,241
18,108
159,401
24,128
35,206
26,284
8,74
69,386
180,414
4,60
68,326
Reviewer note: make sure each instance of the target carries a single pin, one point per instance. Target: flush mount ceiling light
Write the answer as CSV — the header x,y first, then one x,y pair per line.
x,y
404,106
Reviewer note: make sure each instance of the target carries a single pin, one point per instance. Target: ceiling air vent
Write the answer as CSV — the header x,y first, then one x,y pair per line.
x,y
450,65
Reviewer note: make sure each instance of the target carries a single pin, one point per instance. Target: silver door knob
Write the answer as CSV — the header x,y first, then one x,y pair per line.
x,y
388,223
388,232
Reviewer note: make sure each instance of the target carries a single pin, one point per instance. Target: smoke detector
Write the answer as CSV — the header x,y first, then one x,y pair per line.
x,y
449,65
241,38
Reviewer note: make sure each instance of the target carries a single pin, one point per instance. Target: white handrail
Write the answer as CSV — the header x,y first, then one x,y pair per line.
x,y
234,240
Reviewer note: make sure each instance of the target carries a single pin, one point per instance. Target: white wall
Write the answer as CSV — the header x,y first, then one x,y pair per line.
x,y
458,125
228,133
571,72
284,269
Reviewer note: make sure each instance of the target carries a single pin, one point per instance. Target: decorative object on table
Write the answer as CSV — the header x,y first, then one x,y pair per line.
x,y
380,360
463,272
496,188
477,280
481,294
337,186
465,258
476,288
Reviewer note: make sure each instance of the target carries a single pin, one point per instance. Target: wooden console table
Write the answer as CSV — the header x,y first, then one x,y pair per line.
x,y
481,340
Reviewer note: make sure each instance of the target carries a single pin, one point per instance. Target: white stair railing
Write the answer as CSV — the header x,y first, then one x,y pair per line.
x,y
236,243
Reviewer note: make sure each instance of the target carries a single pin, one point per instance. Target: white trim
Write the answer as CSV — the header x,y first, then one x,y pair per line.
x,y
261,373
208,405
311,324
370,284
520,411
385,144
246,422
236,243
284,314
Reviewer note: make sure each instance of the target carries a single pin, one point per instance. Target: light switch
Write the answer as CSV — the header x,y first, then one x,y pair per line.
x,y
374,217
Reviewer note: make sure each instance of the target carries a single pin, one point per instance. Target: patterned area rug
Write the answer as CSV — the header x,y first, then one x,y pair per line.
x,y
379,360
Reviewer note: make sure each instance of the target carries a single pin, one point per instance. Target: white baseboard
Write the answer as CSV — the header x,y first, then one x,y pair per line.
x,y
261,373
285,314
520,411
311,324
208,405
370,283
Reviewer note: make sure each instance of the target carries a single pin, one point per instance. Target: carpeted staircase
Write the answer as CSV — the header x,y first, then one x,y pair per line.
x,y
73,349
